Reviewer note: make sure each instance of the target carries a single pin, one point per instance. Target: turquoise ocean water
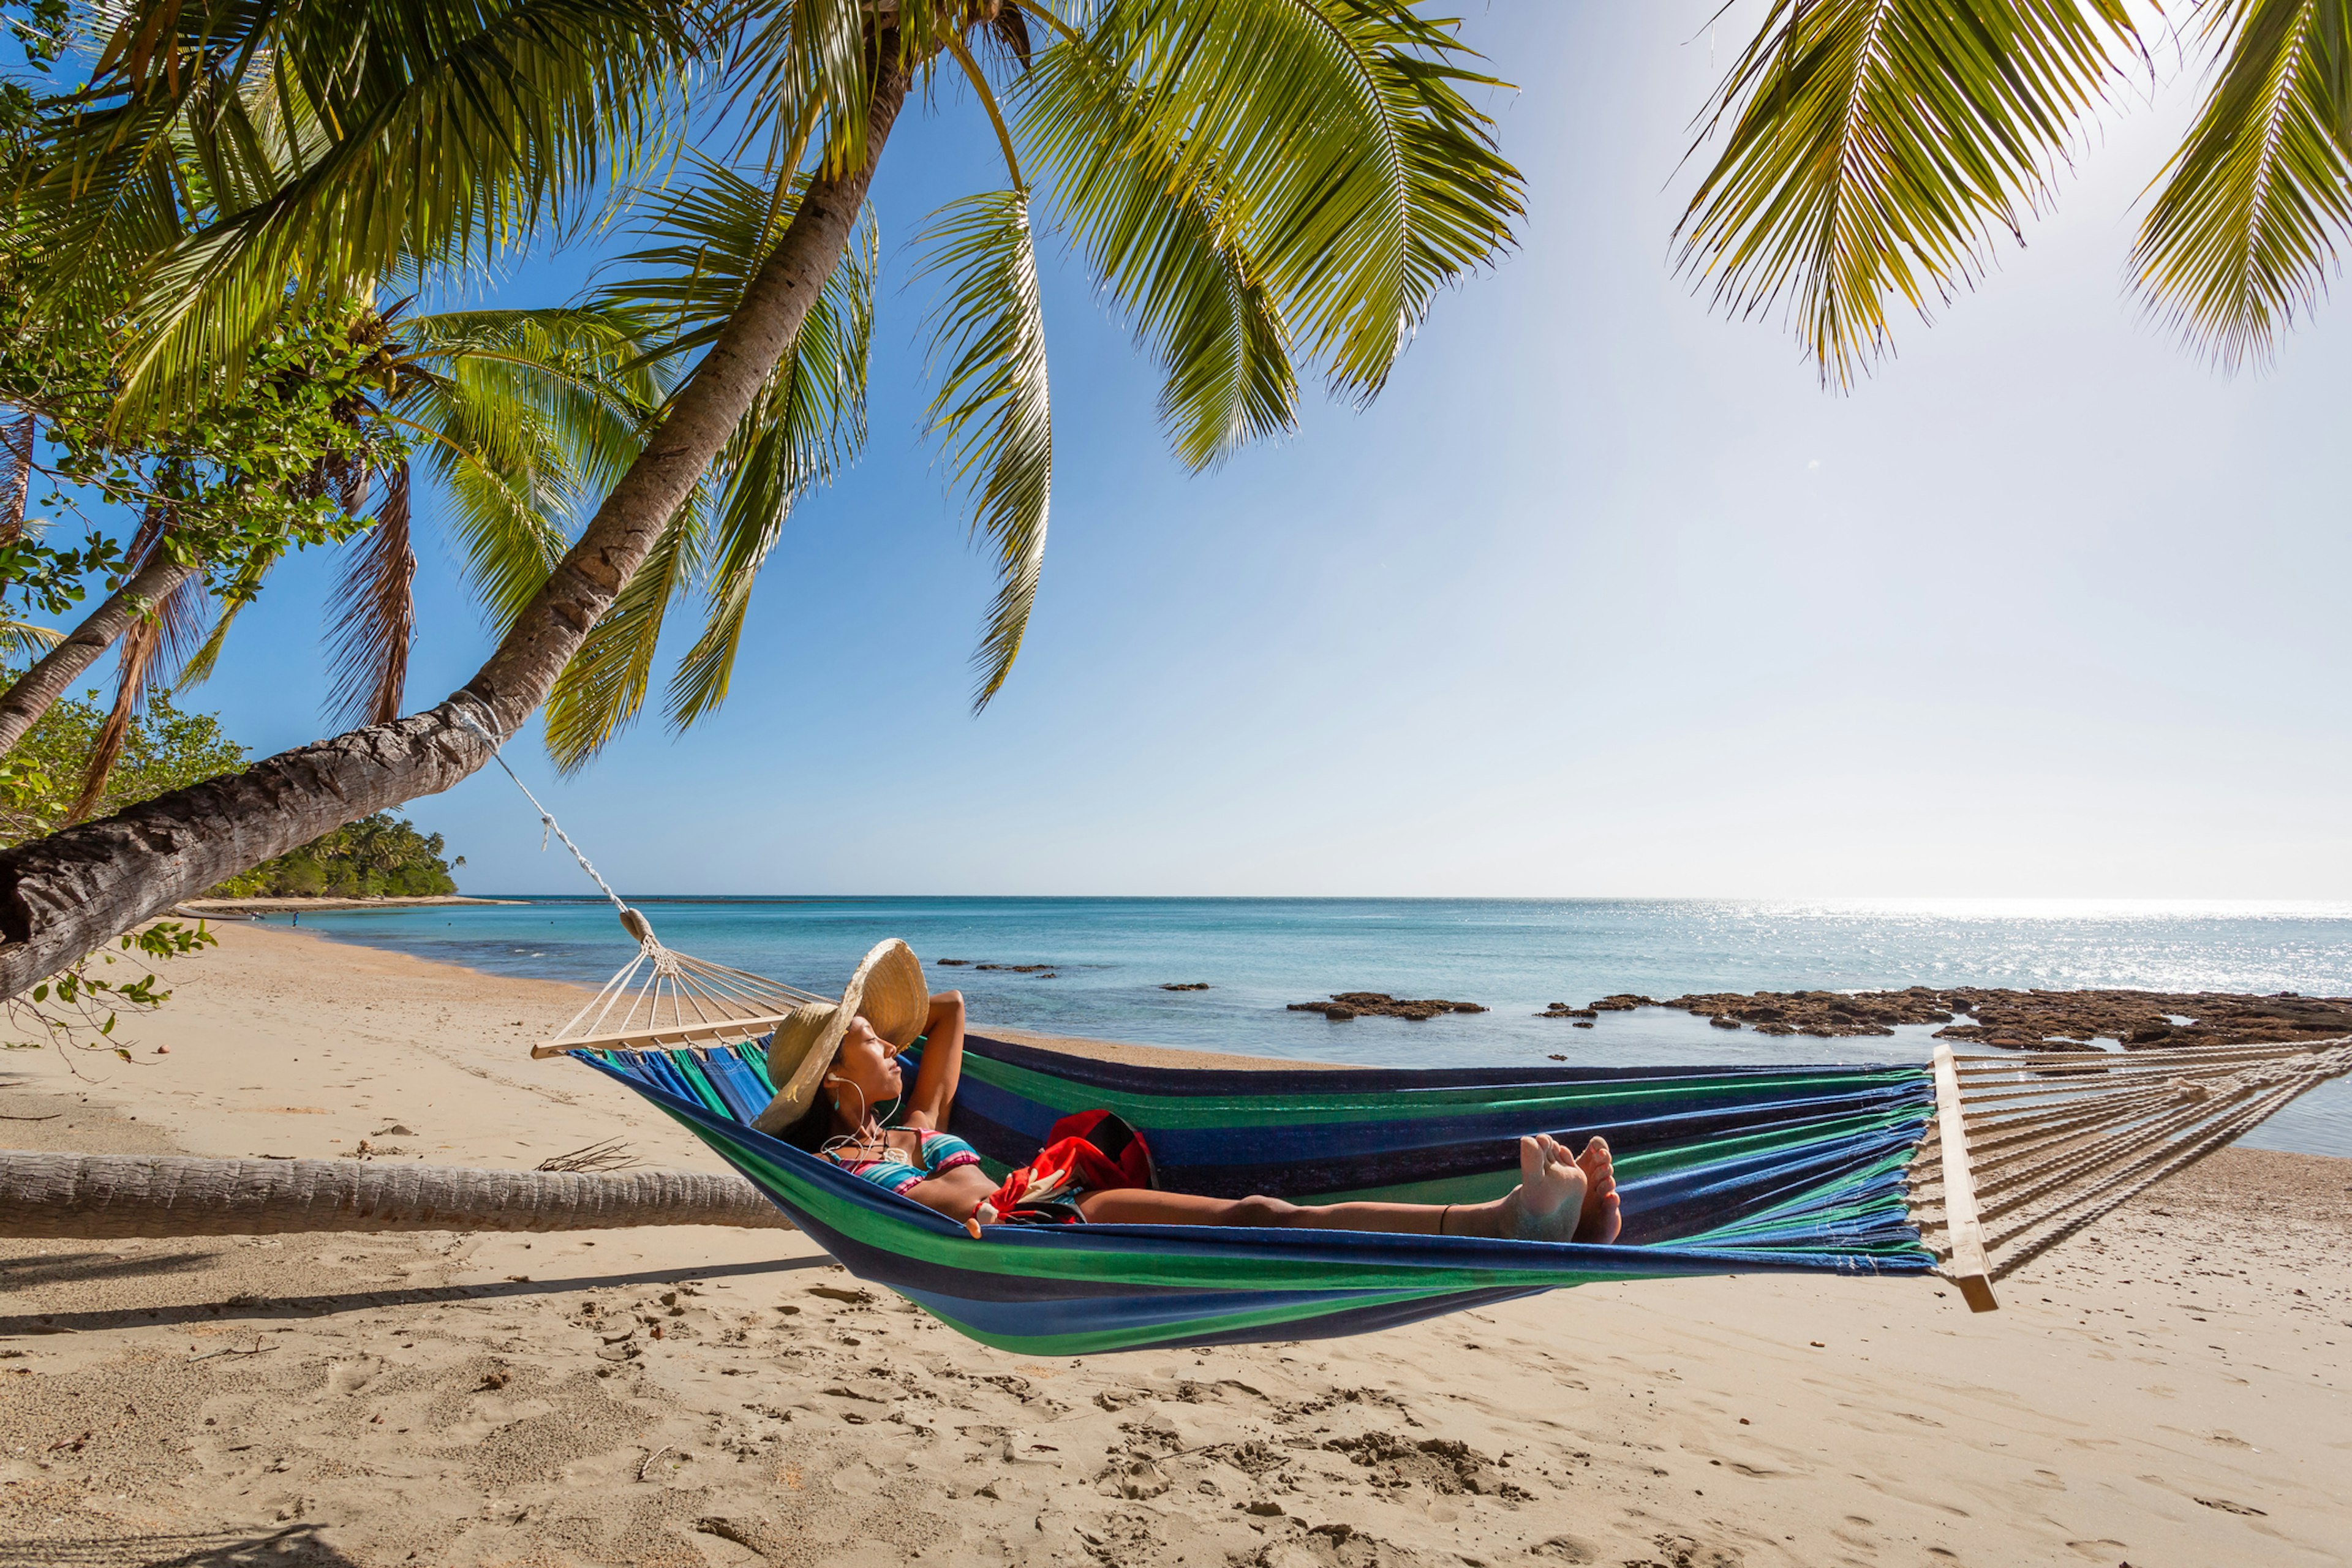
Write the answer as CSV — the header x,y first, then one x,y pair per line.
x,y
1110,957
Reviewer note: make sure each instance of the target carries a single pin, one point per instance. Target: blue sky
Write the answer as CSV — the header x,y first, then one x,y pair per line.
x,y
1604,596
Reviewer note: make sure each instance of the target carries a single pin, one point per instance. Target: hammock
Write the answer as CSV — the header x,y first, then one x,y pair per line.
x,y
1967,1167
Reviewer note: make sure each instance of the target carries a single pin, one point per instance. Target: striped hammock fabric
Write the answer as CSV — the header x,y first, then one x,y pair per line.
x,y
1721,1170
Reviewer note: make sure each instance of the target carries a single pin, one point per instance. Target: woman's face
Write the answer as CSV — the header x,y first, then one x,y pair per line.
x,y
866,1075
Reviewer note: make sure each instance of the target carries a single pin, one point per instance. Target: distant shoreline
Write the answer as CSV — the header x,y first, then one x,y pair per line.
x,y
299,906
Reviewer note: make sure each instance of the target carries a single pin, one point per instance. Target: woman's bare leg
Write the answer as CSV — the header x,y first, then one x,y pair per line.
x,y
1557,1199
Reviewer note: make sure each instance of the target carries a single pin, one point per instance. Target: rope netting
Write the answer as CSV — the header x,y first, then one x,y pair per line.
x,y
2055,1139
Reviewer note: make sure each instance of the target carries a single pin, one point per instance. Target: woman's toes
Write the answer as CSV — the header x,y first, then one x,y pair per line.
x,y
1602,1220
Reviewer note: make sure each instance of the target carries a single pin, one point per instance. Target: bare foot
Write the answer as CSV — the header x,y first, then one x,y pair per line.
x,y
1600,1219
1549,1203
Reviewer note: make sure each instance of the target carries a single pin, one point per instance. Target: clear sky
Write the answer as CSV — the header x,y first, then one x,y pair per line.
x,y
1604,596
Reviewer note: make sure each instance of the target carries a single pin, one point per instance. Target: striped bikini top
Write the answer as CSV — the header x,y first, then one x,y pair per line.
x,y
896,1171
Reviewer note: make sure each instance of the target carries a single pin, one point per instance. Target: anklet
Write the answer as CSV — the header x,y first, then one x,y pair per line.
x,y
1443,1217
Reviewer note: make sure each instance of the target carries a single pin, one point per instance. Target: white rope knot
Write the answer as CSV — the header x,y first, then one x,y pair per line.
x,y
665,961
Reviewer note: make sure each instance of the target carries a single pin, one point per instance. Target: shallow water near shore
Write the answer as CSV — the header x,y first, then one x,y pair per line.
x,y
1109,958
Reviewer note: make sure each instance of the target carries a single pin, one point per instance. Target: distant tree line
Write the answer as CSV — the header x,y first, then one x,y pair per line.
x,y
163,747
382,856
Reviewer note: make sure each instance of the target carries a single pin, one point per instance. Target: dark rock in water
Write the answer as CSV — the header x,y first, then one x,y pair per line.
x,y
1347,1004
1581,1024
952,963
1556,1055
1826,1013
1188,985
2021,1020
1562,1010
1016,968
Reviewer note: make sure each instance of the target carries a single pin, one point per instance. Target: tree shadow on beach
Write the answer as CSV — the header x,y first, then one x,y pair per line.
x,y
78,1267
250,1306
295,1546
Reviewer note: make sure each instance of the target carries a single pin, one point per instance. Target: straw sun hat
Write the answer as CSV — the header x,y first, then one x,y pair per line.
x,y
887,992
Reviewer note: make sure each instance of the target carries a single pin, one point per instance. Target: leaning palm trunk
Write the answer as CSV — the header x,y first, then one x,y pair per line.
x,y
63,895
104,1198
35,691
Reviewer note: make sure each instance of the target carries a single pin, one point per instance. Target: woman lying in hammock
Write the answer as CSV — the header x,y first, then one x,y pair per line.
x,y
839,1084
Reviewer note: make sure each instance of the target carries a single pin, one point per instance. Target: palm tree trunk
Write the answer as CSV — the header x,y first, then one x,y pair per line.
x,y
103,1197
63,895
21,705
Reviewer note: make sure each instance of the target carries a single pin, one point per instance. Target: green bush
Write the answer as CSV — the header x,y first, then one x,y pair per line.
x,y
165,749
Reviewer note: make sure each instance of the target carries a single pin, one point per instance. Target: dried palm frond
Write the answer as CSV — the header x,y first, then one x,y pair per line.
x,y
15,476
612,1154
152,650
373,615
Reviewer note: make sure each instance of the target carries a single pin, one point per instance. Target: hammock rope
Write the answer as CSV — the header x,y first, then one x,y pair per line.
x,y
660,995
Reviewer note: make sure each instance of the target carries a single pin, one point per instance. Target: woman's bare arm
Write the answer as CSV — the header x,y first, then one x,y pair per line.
x,y
942,1069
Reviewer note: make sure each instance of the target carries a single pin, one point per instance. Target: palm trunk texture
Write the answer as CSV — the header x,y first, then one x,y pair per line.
x,y
105,1197
21,705
63,895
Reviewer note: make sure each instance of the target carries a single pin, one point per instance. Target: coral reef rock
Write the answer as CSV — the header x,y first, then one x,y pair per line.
x,y
1347,1004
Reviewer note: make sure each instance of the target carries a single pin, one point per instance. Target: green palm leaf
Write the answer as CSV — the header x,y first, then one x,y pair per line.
x,y
1356,173
993,404
1168,249
1874,145
525,417
811,417
712,237
603,686
2240,236
399,131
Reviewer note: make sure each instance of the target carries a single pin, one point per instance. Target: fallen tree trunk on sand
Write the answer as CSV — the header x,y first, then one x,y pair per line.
x,y
101,1197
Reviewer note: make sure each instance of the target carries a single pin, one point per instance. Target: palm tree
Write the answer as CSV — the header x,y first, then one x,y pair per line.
x,y
516,414
1254,182
1874,149
107,1197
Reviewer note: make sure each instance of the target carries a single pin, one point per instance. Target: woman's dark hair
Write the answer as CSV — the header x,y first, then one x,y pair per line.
x,y
814,1126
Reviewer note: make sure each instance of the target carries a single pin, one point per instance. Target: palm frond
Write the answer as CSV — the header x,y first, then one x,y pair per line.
x,y
810,419
1169,251
1875,146
385,135
23,639
232,599
804,68
15,475
2239,241
992,403
709,240
372,616
524,417
150,647
1340,148
602,689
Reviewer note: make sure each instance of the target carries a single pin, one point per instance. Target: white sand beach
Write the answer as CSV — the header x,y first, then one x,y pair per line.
x,y
2168,1389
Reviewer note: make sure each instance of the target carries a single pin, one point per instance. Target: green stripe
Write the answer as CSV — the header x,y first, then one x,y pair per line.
x,y
1201,1111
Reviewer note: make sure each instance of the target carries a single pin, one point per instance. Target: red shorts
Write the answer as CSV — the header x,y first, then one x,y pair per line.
x,y
1086,1151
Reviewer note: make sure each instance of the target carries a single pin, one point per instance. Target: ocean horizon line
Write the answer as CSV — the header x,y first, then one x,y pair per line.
x,y
2061,906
